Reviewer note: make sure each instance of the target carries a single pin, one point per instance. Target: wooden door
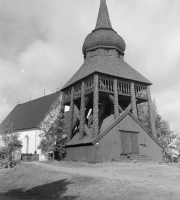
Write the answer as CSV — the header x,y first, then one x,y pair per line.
x,y
134,143
129,142
125,142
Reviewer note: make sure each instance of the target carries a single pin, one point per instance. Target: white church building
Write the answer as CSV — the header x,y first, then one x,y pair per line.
x,y
30,118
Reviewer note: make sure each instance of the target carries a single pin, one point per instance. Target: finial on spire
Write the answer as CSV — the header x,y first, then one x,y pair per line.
x,y
103,20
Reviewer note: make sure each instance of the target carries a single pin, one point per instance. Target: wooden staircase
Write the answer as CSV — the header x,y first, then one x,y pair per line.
x,y
137,157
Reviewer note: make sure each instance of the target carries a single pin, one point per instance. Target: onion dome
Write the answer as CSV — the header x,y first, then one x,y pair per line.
x,y
103,36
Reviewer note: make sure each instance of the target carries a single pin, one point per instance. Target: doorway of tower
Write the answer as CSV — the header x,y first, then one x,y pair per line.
x,y
129,142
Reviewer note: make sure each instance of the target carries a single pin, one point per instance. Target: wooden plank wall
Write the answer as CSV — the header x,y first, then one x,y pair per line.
x,y
81,153
152,149
109,146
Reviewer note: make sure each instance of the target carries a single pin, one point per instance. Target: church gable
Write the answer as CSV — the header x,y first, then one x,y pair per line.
x,y
130,123
126,122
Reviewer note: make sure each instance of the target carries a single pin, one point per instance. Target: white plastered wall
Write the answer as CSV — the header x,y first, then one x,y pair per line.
x,y
33,142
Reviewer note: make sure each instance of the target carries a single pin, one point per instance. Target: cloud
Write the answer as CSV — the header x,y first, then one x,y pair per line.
x,y
40,66
41,46
34,53
18,28
153,48
168,104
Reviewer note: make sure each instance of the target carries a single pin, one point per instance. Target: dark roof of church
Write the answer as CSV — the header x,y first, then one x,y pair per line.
x,y
30,114
107,65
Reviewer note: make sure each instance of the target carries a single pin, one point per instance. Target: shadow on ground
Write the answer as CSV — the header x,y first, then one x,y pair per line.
x,y
50,191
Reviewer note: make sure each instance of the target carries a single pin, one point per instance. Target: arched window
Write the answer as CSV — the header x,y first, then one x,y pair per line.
x,y
26,143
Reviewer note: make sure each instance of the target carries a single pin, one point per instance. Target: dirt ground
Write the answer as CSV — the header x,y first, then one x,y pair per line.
x,y
74,180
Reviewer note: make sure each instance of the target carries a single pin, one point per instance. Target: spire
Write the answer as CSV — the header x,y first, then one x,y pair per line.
x,y
103,20
103,36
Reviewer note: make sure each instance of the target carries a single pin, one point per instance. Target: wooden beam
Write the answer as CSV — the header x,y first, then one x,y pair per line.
x,y
75,118
82,110
86,129
75,123
96,106
128,108
112,100
133,100
116,101
87,106
70,128
102,108
87,100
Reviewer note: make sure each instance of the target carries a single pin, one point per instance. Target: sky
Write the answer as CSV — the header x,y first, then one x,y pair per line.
x,y
41,47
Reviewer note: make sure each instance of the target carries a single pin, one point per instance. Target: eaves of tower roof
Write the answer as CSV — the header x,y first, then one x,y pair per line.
x,y
107,65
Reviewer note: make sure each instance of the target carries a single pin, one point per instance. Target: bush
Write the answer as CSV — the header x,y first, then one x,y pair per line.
x,y
27,157
27,154
6,163
10,140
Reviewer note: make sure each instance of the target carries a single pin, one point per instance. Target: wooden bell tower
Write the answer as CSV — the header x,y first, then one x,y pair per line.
x,y
105,86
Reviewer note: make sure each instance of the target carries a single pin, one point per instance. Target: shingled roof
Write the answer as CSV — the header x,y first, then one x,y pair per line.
x,y
103,20
107,65
104,37
29,115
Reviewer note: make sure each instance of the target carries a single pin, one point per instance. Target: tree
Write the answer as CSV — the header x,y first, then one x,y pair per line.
x,y
161,125
143,115
53,136
163,130
173,147
10,141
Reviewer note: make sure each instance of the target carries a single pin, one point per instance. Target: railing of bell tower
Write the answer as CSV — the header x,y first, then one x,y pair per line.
x,y
67,95
140,91
77,91
124,88
89,85
106,84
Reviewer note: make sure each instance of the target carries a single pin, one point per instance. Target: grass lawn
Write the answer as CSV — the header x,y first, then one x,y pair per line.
x,y
68,180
